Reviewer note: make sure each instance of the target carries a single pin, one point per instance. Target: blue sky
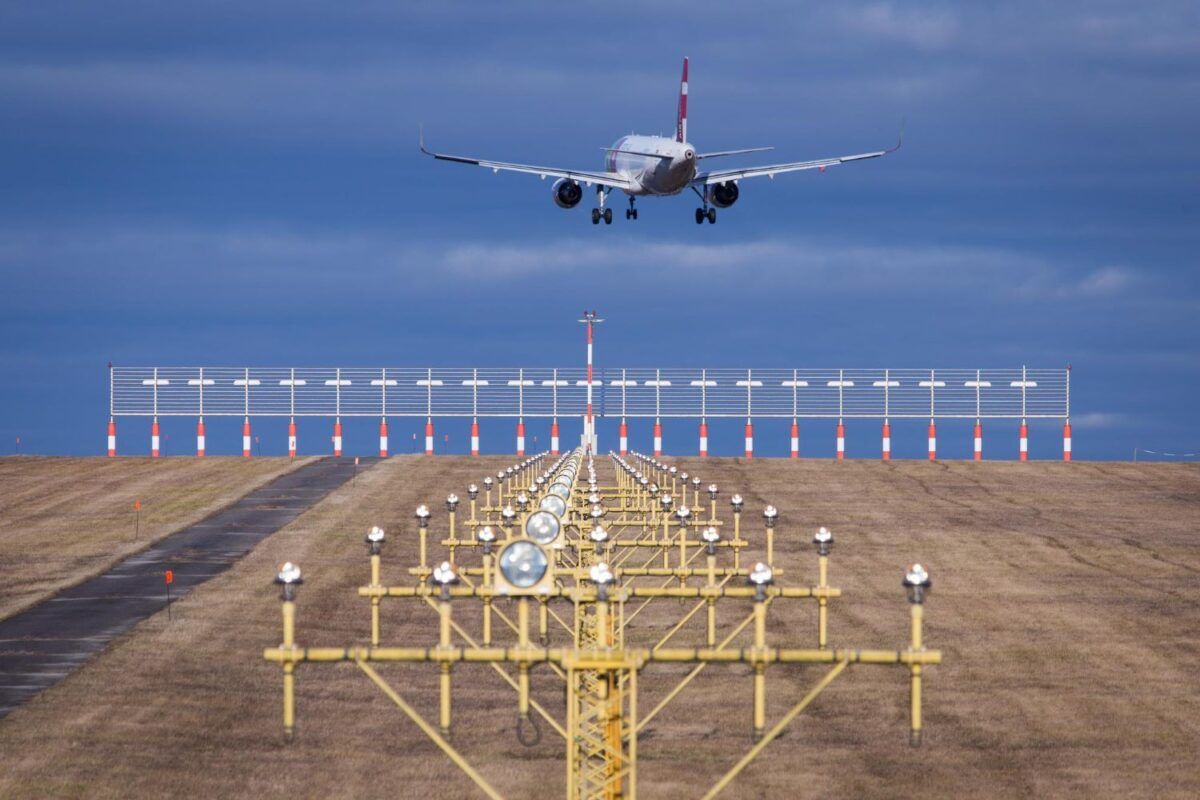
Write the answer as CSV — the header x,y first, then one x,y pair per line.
x,y
232,183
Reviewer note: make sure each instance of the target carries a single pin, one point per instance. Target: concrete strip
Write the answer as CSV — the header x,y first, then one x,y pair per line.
x,y
67,629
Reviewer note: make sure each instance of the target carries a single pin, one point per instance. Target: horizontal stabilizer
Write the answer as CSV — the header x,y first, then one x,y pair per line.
x,y
720,153
634,153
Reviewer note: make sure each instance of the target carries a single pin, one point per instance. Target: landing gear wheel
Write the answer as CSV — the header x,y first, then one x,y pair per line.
x,y
628,213
635,213
595,216
608,216
712,216
699,216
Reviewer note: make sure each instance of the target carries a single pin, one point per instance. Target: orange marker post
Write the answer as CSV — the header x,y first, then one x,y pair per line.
x,y
168,579
137,517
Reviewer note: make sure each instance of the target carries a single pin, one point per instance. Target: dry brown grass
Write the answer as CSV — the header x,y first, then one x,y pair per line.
x,y
63,520
1067,600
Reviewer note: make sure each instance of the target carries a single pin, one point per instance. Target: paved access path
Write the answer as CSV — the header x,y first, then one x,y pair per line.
x,y
42,645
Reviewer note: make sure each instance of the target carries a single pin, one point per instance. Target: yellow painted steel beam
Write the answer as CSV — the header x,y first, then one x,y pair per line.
x,y
775,731
430,731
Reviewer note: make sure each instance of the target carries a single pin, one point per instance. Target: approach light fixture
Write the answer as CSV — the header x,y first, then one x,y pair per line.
x,y
289,577
543,527
375,538
523,565
823,539
918,584
760,577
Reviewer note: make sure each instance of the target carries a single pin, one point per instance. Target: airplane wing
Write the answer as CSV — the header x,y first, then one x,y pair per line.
x,y
610,179
720,176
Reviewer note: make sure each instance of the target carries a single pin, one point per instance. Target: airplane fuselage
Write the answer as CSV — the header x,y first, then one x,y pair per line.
x,y
655,165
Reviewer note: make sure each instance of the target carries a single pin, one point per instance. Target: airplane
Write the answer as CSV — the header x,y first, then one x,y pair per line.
x,y
657,166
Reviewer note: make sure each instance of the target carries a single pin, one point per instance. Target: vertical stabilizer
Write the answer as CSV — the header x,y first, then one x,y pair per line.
x,y
681,114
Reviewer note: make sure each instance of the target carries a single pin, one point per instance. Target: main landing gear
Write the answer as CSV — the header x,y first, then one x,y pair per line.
x,y
631,212
601,212
704,213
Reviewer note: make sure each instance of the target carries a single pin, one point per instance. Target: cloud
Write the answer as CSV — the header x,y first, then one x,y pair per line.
x,y
263,256
1097,420
925,29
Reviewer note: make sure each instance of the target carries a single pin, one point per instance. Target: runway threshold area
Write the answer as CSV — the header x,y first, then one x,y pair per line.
x,y
42,645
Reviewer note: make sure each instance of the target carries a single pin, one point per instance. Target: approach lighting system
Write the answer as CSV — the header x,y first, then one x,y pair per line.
x,y
561,583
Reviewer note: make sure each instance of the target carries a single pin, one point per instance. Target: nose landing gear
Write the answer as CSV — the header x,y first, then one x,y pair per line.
x,y
631,212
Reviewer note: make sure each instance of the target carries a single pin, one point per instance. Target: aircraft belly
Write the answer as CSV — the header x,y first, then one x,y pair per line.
x,y
666,184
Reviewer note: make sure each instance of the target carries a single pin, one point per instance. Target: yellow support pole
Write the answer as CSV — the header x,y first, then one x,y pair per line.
x,y
444,641
822,602
289,668
918,611
375,600
523,667
760,670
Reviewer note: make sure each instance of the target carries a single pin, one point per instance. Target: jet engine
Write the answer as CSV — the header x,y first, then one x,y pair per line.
x,y
723,195
568,193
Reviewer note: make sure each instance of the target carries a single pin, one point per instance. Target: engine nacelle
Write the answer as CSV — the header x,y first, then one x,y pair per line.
x,y
567,193
723,195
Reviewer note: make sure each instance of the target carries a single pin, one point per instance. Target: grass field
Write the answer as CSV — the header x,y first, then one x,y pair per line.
x,y
66,519
1066,601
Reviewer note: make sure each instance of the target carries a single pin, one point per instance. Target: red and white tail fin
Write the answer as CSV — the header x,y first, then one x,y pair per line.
x,y
681,114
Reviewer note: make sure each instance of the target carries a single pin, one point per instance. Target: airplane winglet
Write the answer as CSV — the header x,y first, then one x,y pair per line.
x,y
421,139
900,138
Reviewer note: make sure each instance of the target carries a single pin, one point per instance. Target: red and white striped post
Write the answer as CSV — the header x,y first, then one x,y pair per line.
x,y
337,436
475,436
292,437
1067,419
623,432
657,439
749,439
795,440
429,436
703,438
589,423
841,441
200,438
246,452
887,440
978,440
112,437
154,439
520,437
1024,434
554,437
383,438
932,440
